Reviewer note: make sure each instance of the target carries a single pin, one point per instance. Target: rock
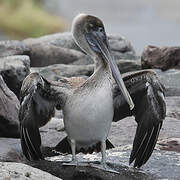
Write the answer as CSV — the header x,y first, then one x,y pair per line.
x,y
173,104
171,81
9,48
121,48
163,58
9,170
162,165
86,171
53,72
10,150
126,65
9,109
170,144
13,70
44,55
53,45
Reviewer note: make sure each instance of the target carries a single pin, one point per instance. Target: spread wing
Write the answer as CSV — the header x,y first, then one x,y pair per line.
x,y
39,98
150,109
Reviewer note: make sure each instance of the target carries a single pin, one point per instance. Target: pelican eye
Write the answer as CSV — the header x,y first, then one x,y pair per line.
x,y
101,29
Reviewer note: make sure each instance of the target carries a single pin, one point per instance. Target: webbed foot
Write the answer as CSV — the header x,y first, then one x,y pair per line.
x,y
72,163
105,167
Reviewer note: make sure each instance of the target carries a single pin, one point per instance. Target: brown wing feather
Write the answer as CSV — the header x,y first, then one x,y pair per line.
x,y
148,96
75,82
39,98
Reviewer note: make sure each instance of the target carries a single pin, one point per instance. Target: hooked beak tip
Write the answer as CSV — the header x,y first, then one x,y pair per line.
x,y
131,106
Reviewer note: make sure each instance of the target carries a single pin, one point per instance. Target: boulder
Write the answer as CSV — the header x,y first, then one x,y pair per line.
x,y
126,65
86,171
47,54
170,144
60,48
162,165
163,58
10,150
54,72
171,81
9,109
9,170
13,47
13,70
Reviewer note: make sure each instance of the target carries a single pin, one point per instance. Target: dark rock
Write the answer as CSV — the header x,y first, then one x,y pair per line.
x,y
53,72
43,55
163,58
88,172
13,70
171,81
21,171
121,47
128,65
9,108
9,48
61,49
170,144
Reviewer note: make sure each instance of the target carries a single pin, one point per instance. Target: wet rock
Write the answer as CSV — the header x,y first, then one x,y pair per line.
x,y
53,72
171,80
62,49
10,150
91,171
9,48
9,108
162,165
163,58
13,70
170,144
22,172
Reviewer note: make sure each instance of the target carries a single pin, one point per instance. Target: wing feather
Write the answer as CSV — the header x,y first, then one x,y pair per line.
x,y
150,109
38,101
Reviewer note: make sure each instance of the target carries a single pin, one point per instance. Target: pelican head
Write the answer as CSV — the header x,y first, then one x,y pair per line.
x,y
89,34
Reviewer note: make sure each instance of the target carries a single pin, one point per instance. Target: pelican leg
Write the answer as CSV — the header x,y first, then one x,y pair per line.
x,y
74,161
73,149
103,153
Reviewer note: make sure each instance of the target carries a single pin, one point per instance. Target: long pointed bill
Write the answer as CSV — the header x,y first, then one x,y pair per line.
x,y
99,44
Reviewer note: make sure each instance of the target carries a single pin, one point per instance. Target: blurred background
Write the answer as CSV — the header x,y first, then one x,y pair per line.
x,y
154,22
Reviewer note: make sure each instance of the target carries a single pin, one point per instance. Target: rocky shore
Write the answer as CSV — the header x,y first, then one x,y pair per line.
x,y
57,55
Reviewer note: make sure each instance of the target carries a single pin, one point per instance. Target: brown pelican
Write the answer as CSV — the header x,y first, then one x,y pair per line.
x,y
89,106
